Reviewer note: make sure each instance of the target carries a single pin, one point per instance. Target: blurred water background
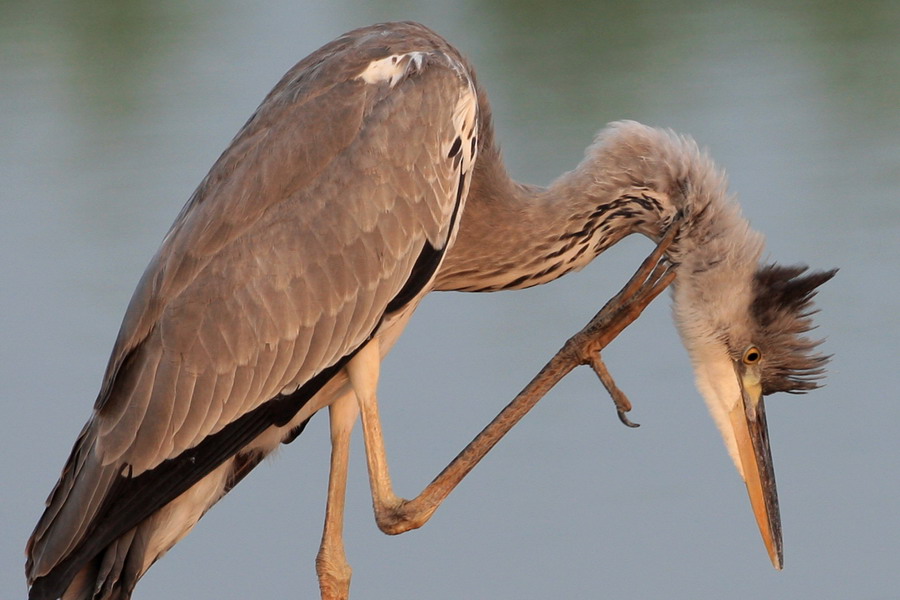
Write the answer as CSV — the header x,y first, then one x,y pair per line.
x,y
111,113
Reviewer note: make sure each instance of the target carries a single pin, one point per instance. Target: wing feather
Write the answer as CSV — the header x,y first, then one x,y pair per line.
x,y
185,387
199,405
283,263
117,434
153,432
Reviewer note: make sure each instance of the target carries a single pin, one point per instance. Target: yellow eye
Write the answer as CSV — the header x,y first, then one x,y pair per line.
x,y
752,355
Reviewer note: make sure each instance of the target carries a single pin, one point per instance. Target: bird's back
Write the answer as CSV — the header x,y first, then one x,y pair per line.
x,y
329,213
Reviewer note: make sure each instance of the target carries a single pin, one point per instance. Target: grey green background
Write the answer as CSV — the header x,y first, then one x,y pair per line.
x,y
111,113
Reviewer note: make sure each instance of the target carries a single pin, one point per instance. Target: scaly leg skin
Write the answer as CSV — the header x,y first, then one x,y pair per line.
x,y
395,515
331,562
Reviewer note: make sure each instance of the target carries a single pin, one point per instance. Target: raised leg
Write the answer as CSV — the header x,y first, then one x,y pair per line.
x,y
395,515
331,562
363,370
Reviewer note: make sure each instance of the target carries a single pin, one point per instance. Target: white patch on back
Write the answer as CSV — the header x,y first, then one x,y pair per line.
x,y
391,69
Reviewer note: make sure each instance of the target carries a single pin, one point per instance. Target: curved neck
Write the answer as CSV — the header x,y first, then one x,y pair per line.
x,y
634,179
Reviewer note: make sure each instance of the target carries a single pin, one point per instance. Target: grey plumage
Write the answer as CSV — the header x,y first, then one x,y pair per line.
x,y
265,280
343,200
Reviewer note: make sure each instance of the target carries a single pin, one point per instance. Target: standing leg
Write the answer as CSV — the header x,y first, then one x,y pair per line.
x,y
331,562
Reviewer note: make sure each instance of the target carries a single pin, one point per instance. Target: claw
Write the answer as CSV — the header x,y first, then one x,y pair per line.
x,y
654,275
623,404
625,420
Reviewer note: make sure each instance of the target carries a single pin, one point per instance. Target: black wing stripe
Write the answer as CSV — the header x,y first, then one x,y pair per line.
x,y
427,263
133,499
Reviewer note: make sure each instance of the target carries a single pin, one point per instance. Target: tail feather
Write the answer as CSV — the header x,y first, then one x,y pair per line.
x,y
113,573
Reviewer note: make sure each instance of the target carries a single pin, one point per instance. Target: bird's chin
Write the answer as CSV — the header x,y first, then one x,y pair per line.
x,y
716,381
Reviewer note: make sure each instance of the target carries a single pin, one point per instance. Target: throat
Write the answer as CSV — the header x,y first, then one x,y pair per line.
x,y
633,179
516,236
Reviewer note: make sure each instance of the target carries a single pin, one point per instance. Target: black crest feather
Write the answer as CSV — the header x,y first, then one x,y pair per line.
x,y
782,307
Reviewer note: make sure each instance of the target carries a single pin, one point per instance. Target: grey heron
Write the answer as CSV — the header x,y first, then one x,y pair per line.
x,y
368,177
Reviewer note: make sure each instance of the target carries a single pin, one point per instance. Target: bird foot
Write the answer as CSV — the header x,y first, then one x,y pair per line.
x,y
651,278
623,404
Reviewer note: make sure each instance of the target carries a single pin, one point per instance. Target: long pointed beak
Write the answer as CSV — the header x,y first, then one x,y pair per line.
x,y
748,420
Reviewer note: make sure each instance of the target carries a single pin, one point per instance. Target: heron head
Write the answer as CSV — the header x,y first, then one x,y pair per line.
x,y
745,329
